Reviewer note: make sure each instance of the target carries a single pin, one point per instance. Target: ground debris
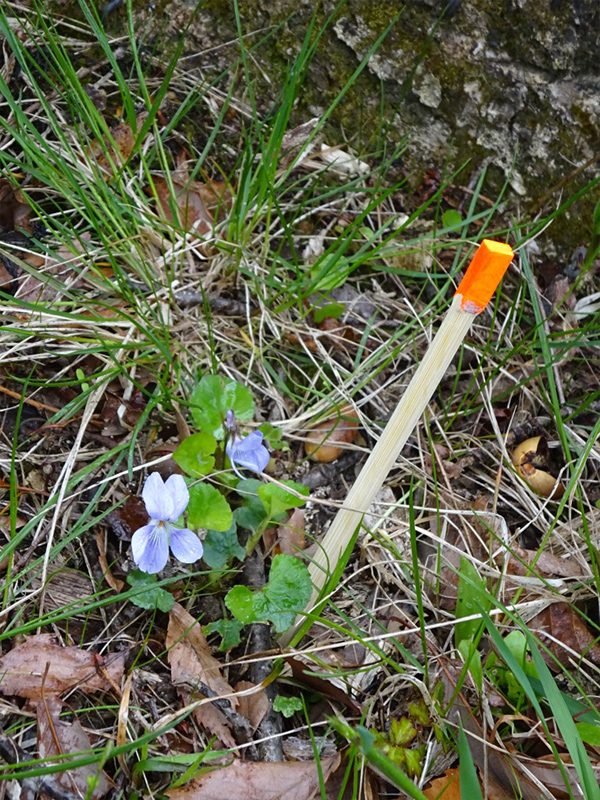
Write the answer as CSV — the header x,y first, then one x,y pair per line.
x,y
244,780
42,666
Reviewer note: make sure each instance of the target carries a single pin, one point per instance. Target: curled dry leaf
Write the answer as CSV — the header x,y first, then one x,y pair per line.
x,y
566,627
327,441
253,706
193,664
244,780
57,738
40,664
114,583
289,537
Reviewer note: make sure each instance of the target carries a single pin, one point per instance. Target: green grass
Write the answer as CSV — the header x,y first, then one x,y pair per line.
x,y
110,323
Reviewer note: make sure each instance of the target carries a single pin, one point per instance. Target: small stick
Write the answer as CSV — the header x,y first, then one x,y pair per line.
x,y
481,279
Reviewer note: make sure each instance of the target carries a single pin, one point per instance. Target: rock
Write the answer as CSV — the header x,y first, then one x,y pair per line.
x,y
514,86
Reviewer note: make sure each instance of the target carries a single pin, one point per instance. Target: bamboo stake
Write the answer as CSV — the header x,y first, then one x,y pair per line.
x,y
485,272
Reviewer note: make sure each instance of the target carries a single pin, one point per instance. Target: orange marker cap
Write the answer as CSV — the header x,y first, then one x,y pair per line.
x,y
483,275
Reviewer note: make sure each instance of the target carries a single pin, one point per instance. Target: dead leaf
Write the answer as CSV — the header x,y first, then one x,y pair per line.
x,y
41,661
547,565
253,706
510,769
64,266
57,737
192,664
197,202
113,582
449,469
445,788
119,145
127,518
244,780
326,442
8,204
289,537
565,626
188,200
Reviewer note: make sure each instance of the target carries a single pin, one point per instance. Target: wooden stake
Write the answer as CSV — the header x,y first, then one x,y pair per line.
x,y
485,272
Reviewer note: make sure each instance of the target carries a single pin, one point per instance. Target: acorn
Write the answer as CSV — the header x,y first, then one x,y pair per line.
x,y
532,459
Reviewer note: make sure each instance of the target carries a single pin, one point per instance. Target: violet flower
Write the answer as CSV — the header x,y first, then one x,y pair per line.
x,y
165,503
247,452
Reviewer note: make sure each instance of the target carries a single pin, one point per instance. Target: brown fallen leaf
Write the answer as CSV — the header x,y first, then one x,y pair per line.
x,y
288,537
57,737
192,665
187,198
546,564
197,203
41,664
445,788
244,780
119,145
64,266
15,211
113,582
127,518
565,626
327,441
448,788
253,706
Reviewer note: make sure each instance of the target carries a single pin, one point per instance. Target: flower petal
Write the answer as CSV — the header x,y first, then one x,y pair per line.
x,y
157,498
150,548
248,452
179,494
185,545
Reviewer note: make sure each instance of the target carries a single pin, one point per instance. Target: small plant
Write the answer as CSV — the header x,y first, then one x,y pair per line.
x,y
218,509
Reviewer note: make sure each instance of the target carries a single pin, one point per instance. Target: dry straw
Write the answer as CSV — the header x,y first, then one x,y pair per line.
x,y
485,272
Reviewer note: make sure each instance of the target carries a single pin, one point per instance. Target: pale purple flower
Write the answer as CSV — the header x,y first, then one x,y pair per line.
x,y
247,452
165,503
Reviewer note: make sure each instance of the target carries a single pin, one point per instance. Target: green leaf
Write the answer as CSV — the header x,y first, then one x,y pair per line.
x,y
221,547
469,601
195,454
148,595
469,783
252,513
287,705
229,631
451,219
240,601
330,272
284,596
472,657
402,731
208,508
277,500
212,397
332,310
590,734
274,436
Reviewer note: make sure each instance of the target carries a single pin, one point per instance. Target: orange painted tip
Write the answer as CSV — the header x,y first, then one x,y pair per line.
x,y
483,275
